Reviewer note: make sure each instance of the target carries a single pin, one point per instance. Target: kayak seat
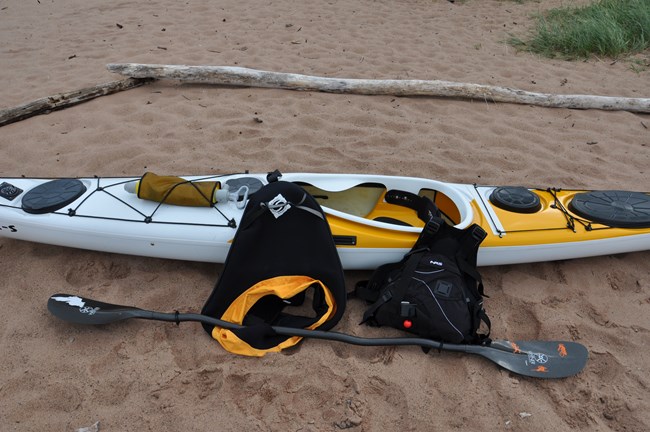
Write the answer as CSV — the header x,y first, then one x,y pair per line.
x,y
359,200
369,201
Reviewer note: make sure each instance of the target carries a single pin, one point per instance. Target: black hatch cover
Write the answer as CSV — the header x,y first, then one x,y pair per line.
x,y
516,199
52,196
616,208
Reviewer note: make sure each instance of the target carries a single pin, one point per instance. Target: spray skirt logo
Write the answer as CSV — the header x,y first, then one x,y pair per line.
x,y
278,206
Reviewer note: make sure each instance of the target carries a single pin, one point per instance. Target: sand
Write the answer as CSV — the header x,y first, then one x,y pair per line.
x,y
154,376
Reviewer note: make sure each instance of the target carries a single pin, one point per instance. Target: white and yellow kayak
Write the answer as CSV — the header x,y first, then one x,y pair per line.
x,y
523,225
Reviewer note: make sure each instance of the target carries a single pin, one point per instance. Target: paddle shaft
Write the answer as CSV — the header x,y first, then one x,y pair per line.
x,y
501,345
313,334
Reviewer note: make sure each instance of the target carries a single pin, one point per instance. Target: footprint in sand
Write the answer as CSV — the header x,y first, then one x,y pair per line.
x,y
91,271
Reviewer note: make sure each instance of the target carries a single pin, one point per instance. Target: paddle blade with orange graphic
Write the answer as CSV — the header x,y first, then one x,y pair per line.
x,y
544,359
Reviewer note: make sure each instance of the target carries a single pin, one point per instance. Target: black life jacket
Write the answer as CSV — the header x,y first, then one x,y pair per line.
x,y
435,291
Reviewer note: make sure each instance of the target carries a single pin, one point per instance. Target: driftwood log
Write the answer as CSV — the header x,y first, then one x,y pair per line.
x,y
238,76
64,100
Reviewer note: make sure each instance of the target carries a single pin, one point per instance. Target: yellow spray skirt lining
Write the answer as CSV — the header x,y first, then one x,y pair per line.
x,y
284,287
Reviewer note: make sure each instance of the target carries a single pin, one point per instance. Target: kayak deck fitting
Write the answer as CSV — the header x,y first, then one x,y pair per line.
x,y
523,225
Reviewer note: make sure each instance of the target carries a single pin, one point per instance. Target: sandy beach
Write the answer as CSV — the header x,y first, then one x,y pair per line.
x,y
153,376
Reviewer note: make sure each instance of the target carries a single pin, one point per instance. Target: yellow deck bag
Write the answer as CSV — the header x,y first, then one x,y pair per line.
x,y
177,190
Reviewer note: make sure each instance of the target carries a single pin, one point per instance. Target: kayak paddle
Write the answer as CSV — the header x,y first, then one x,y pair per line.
x,y
538,359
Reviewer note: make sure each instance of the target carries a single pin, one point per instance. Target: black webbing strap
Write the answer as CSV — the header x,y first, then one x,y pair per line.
x,y
470,270
483,316
427,234
369,290
468,245
369,314
471,239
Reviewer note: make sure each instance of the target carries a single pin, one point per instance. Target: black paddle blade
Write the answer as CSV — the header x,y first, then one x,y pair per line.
x,y
539,359
79,310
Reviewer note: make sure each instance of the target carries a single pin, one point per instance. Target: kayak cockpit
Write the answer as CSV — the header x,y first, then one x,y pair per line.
x,y
364,202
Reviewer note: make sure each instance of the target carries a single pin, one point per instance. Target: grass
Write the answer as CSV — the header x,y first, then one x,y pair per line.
x,y
604,28
639,65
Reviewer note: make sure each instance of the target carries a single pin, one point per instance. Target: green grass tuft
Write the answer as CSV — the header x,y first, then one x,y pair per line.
x,y
604,28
